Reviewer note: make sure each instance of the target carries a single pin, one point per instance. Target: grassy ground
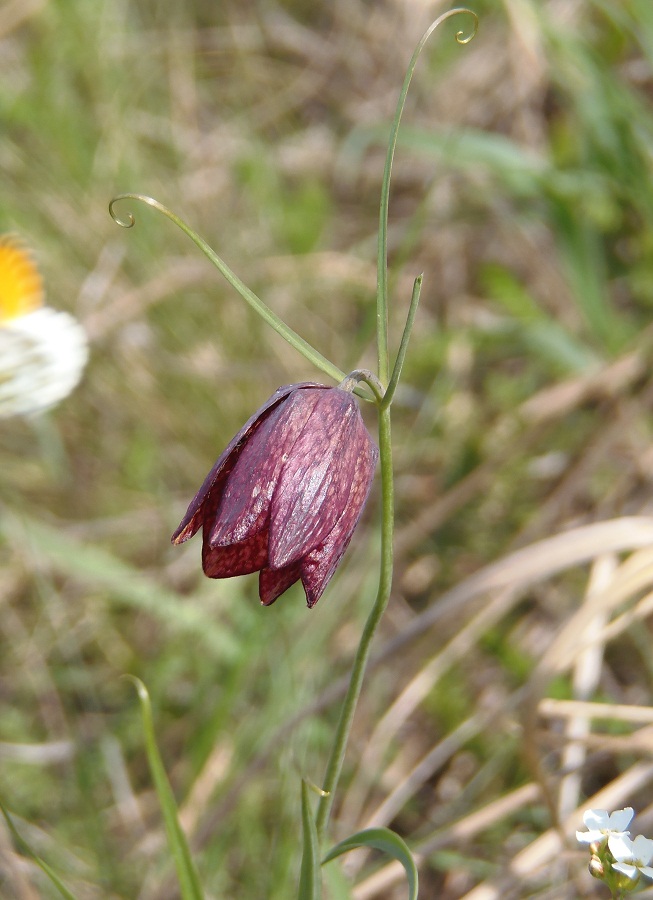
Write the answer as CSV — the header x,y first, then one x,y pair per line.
x,y
523,191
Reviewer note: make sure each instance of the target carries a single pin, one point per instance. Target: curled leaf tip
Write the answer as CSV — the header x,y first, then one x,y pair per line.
x,y
128,222
461,36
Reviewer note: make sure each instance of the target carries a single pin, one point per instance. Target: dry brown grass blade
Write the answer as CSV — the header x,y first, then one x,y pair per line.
x,y
586,676
610,381
633,576
530,565
515,572
525,864
576,638
541,560
570,709
416,690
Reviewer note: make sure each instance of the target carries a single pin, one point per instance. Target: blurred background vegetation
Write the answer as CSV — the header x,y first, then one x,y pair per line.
x,y
523,191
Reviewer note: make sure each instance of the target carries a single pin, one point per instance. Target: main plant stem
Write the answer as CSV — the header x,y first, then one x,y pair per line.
x,y
387,485
336,759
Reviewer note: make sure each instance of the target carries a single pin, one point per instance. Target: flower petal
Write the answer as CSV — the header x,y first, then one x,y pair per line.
x,y
273,582
589,837
620,819
42,357
621,847
214,481
318,566
316,481
643,849
236,559
596,819
248,490
627,869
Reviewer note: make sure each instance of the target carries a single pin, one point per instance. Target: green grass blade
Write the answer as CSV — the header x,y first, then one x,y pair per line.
x,y
310,879
388,842
189,882
27,851
581,250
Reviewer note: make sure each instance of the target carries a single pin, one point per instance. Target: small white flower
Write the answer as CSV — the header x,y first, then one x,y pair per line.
x,y
601,824
632,858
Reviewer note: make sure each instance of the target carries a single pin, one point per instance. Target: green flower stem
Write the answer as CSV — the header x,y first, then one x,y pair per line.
x,y
336,759
295,341
350,382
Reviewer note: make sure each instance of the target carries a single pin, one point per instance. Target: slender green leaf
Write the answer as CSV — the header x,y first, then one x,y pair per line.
x,y
382,246
189,882
25,848
388,842
272,319
310,879
403,346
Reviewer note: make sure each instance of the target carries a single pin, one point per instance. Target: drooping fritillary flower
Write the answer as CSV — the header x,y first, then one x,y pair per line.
x,y
42,351
286,494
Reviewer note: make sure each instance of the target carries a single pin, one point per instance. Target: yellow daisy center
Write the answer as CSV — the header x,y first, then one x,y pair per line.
x,y
21,286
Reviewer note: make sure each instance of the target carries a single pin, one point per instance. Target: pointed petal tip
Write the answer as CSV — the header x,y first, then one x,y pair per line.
x,y
272,583
181,535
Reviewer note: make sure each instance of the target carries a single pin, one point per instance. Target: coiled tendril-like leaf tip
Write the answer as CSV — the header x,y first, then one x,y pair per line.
x,y
129,221
461,37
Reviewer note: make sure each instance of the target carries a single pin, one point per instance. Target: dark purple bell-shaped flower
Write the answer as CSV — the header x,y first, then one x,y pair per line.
x,y
286,494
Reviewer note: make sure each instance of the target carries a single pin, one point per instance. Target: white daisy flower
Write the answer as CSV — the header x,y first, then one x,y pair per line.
x,y
601,824
42,351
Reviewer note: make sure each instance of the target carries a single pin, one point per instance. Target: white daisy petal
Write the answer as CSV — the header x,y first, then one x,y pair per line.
x,y
42,356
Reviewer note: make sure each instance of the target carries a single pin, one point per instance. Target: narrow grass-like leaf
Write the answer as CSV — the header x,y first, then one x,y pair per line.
x,y
542,333
272,319
382,251
189,882
310,879
26,850
388,842
403,346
